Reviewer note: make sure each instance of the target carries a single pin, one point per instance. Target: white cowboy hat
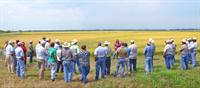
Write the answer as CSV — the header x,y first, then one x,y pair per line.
x,y
66,44
194,38
189,39
132,41
106,42
57,40
10,42
184,40
74,41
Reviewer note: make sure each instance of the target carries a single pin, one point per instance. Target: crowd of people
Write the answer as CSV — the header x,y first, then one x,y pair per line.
x,y
68,56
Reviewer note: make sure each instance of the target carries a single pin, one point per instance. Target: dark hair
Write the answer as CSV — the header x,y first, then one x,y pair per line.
x,y
99,44
17,41
44,38
125,44
83,47
52,44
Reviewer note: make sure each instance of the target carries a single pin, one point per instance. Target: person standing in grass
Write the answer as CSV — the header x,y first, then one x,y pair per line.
x,y
57,44
127,59
189,44
47,46
67,58
121,54
184,55
10,56
41,56
84,57
148,54
133,56
25,50
193,50
75,49
168,54
108,57
100,55
31,51
174,52
4,51
59,58
52,61
20,61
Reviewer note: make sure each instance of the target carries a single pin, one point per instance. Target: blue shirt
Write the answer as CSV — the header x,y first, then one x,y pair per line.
x,y
128,50
149,51
100,52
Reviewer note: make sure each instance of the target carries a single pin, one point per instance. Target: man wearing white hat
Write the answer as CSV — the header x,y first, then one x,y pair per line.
x,y
41,56
20,61
133,56
168,54
75,49
193,50
108,57
184,55
10,56
148,54
68,63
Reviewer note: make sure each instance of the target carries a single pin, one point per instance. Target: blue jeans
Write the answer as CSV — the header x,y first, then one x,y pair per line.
x,y
189,57
148,64
31,57
132,64
47,64
100,63
53,66
193,55
68,70
85,71
122,62
20,68
168,60
78,64
184,62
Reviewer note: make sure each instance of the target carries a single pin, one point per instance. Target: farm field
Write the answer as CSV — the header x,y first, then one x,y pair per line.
x,y
161,78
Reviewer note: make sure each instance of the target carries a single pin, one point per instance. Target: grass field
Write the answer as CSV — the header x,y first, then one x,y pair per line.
x,y
161,78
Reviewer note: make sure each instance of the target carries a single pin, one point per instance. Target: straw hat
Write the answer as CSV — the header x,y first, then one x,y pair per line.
x,y
106,43
184,40
194,38
10,42
74,41
132,41
57,40
66,44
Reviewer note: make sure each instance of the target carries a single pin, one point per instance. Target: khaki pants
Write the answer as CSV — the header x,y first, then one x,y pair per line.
x,y
41,64
10,63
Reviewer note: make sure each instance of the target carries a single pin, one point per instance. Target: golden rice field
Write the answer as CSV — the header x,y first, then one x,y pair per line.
x,y
161,78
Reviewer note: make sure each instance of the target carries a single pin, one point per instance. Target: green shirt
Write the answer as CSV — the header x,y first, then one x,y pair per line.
x,y
52,54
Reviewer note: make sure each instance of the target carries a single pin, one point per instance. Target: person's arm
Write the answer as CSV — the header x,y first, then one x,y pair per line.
x,y
164,51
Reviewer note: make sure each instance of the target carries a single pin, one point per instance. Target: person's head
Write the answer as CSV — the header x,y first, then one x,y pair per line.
x,y
117,41
48,40
132,41
183,41
52,44
6,42
74,42
194,39
125,45
106,43
99,43
44,38
66,45
172,40
83,47
60,46
42,43
10,42
17,41
19,44
23,43
31,42
57,41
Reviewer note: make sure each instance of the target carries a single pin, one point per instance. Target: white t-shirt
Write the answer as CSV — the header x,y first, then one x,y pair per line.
x,y
37,47
58,54
9,49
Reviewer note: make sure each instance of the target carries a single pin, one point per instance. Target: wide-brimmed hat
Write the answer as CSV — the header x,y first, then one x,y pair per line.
x,y
57,40
74,41
189,39
168,41
132,41
11,41
194,38
66,44
184,40
106,43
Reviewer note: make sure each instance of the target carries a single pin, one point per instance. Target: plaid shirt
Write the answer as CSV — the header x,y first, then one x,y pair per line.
x,y
84,57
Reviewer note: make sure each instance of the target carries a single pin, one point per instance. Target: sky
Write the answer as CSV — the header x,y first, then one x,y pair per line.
x,y
99,14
